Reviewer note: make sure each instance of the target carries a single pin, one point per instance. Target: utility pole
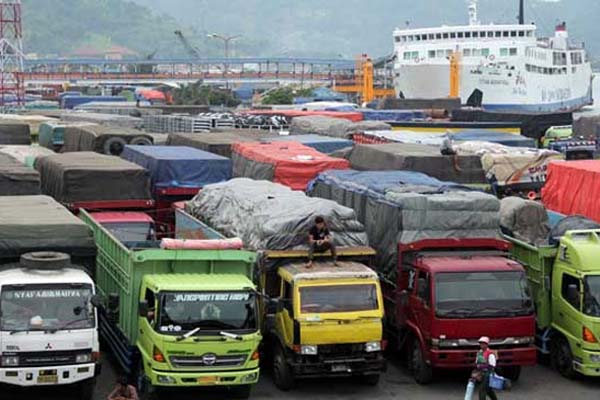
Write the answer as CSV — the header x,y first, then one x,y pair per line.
x,y
226,40
12,86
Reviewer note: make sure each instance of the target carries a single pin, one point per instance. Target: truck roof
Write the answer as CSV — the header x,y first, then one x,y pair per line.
x,y
20,276
198,282
326,270
125,216
470,264
582,249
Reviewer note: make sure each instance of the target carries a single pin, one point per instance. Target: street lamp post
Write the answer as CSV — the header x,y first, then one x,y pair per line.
x,y
226,40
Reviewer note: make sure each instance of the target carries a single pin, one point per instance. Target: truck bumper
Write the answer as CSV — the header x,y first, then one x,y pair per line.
x,y
465,358
588,364
313,367
47,376
212,378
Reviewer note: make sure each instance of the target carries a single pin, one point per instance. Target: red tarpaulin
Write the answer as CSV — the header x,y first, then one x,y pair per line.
x,y
294,164
349,115
573,187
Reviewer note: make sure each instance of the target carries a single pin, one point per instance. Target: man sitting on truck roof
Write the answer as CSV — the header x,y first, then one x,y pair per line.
x,y
319,241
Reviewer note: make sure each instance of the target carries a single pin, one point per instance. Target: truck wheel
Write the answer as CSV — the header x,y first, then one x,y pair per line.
x,y
370,380
282,375
141,141
241,392
114,146
146,391
422,373
86,389
562,358
513,372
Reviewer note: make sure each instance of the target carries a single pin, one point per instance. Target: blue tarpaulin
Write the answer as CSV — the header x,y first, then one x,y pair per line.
x,y
179,166
392,115
70,102
324,144
486,135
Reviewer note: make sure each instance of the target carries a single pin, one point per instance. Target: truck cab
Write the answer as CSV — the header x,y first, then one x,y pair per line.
x,y
48,327
446,298
324,321
566,284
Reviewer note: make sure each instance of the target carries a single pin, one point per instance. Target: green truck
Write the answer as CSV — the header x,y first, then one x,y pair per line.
x,y
565,284
178,317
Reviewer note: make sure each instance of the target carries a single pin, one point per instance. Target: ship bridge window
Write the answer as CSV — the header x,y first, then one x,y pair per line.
x,y
576,58
521,33
513,33
438,35
423,37
485,52
467,52
452,35
467,34
440,53
445,36
460,35
503,52
410,55
475,34
505,34
431,36
490,34
448,53
431,54
559,58
512,51
529,33
397,39
498,34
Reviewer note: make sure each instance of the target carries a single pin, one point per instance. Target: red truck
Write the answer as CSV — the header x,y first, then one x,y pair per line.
x,y
448,293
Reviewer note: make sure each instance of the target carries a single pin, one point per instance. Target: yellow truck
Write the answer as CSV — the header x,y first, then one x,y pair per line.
x,y
324,321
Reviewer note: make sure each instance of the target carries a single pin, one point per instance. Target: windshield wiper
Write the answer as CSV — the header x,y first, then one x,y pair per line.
x,y
188,334
22,330
65,325
231,335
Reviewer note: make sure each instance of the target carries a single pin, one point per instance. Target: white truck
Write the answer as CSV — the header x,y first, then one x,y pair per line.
x,y
48,324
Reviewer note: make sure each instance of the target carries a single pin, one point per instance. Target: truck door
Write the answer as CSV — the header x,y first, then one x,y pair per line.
x,y
421,304
568,311
147,325
285,313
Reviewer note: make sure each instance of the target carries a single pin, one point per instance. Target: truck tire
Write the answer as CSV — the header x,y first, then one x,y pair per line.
x,y
46,260
141,141
146,391
241,392
513,372
282,375
370,380
114,146
562,358
422,373
85,389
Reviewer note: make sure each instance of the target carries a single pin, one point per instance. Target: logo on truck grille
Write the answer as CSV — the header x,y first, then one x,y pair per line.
x,y
48,346
209,359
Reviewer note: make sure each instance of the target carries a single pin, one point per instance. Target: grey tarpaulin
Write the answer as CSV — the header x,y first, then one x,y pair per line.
x,y
269,216
37,223
88,176
102,139
245,167
14,133
16,178
326,126
102,119
419,158
403,207
570,223
217,142
363,126
524,220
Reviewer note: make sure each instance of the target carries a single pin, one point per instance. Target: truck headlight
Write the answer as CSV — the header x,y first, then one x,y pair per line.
x,y
10,361
83,358
308,350
372,346
595,358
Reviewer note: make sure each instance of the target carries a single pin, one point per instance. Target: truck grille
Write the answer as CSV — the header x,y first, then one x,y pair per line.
x,y
207,361
342,350
48,358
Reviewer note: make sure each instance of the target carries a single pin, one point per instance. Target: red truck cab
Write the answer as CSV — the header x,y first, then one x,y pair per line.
x,y
127,226
450,292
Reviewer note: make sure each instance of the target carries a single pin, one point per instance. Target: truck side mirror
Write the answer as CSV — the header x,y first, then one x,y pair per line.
x,y
113,301
573,294
143,309
97,301
273,306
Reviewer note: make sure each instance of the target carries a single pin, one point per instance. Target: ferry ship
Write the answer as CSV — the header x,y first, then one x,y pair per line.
x,y
513,69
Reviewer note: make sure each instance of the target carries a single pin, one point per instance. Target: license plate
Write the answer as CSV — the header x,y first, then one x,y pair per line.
x,y
208,380
47,376
339,368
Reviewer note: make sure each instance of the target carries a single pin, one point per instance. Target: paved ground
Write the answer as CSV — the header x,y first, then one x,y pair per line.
x,y
537,383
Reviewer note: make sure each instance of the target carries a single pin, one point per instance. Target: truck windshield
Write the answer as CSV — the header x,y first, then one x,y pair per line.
x,y
591,296
46,307
131,231
339,298
185,311
482,294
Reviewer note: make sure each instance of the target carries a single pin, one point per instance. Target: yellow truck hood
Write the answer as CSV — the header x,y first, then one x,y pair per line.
x,y
328,330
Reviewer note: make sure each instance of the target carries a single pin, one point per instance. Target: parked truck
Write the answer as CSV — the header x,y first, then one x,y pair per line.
x,y
324,321
565,283
48,328
178,317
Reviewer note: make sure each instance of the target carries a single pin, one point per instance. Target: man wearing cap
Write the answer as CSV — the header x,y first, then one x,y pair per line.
x,y
485,363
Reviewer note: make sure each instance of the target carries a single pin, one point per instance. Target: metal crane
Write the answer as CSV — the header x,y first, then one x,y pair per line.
x,y
188,46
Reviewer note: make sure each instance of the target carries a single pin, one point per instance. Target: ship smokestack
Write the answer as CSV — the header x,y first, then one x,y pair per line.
x,y
521,12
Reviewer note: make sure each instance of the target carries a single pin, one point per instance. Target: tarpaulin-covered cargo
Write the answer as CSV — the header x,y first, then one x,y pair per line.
x,y
573,187
52,134
217,142
268,216
32,120
350,116
16,178
404,207
103,139
419,158
14,133
123,121
400,136
392,115
289,163
320,125
25,155
91,177
39,223
365,126
323,144
71,101
525,220
178,166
